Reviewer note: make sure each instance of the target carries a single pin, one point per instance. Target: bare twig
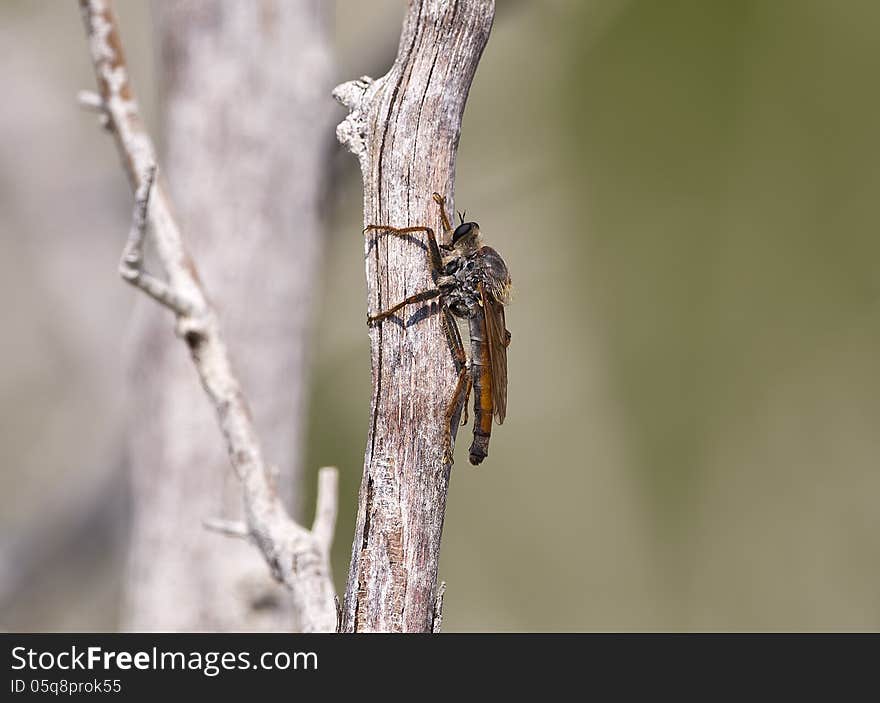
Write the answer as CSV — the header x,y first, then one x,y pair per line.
x,y
230,528
297,557
327,503
90,100
438,608
404,129
132,262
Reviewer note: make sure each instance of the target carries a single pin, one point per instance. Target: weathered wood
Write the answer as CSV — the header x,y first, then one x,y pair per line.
x,y
404,128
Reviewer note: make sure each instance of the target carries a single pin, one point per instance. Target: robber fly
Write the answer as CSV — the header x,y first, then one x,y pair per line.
x,y
472,282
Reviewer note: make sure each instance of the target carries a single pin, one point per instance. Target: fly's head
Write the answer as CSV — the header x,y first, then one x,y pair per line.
x,y
465,239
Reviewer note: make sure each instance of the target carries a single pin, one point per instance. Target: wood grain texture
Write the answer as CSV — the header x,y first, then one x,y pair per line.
x,y
404,129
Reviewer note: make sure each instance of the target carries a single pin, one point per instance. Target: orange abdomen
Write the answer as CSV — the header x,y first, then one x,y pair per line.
x,y
482,378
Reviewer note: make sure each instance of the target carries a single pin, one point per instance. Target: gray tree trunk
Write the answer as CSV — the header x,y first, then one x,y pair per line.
x,y
245,115
404,128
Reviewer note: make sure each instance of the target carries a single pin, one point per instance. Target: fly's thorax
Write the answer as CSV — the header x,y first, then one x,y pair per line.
x,y
452,262
458,284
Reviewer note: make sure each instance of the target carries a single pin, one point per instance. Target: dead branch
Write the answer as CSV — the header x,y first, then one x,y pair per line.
x,y
297,557
404,129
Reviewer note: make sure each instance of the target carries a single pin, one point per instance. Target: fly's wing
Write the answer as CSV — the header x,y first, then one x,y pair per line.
x,y
497,340
495,292
495,275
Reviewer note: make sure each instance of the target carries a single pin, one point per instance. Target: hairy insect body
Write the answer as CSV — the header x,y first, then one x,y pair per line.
x,y
473,283
460,287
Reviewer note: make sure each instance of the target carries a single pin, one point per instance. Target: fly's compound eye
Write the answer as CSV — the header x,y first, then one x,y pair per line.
x,y
462,230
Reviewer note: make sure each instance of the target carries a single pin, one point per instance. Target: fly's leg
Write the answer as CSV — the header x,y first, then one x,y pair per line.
x,y
417,298
433,249
467,397
459,358
441,201
462,386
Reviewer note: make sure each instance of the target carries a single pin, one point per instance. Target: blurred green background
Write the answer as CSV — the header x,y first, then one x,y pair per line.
x,y
685,194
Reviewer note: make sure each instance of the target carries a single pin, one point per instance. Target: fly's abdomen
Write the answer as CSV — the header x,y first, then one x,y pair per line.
x,y
482,379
